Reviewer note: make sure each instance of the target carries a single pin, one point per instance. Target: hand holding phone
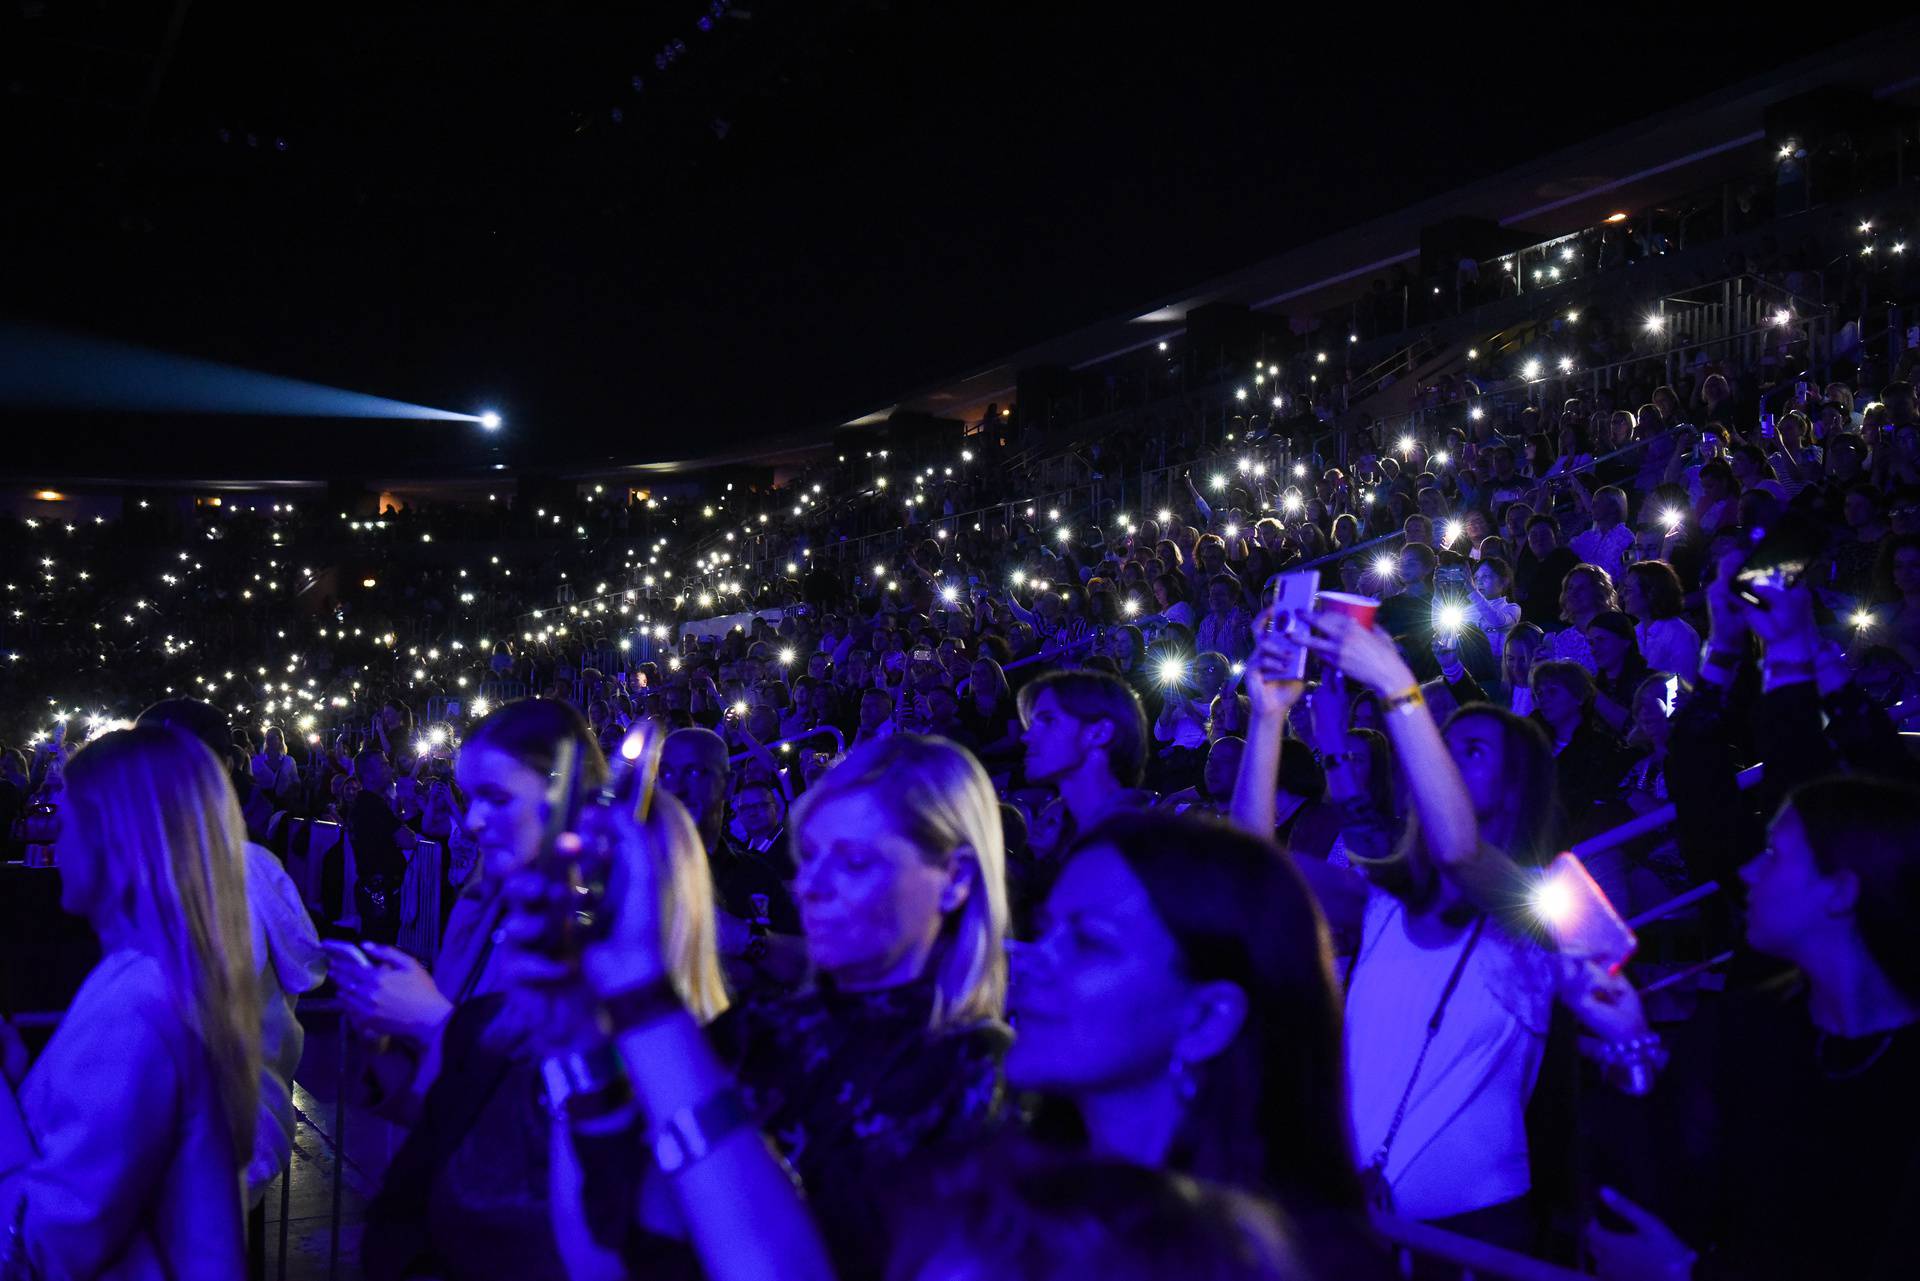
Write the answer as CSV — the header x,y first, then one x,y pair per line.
x,y
1577,915
1287,597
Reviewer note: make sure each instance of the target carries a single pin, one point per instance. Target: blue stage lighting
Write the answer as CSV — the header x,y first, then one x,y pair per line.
x,y
490,420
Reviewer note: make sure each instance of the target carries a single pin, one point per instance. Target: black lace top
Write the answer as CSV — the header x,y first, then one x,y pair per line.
x,y
850,1086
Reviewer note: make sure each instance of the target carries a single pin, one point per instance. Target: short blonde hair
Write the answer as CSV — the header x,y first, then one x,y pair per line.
x,y
936,795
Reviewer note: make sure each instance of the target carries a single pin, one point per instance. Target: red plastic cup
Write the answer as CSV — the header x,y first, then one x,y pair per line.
x,y
1360,609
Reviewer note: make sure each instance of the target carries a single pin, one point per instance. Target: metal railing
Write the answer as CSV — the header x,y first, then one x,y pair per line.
x,y
1652,821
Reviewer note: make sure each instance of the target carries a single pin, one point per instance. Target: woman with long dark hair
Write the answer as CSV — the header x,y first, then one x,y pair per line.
x,y
125,1155
1181,1000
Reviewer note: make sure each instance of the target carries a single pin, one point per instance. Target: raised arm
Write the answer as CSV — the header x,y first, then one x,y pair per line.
x,y
743,1214
1440,797
1271,698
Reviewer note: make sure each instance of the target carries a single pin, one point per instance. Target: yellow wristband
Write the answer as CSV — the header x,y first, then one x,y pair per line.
x,y
1407,699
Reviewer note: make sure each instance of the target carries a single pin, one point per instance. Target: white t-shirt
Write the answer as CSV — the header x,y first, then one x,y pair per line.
x,y
1463,1143
1607,550
1670,645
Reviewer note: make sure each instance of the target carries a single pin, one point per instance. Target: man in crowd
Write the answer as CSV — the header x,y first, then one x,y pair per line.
x,y
381,843
755,914
1086,737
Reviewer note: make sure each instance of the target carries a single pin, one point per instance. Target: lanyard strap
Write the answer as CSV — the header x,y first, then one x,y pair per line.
x,y
1379,1161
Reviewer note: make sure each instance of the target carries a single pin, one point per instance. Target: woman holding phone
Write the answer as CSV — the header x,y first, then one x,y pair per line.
x,y
1450,987
466,1196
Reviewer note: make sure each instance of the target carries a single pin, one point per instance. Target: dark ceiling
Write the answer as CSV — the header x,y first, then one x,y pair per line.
x,y
817,206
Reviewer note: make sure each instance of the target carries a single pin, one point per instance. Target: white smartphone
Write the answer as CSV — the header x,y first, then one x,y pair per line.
x,y
1289,596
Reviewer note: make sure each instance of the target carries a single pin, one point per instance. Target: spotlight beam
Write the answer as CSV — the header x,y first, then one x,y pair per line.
x,y
46,369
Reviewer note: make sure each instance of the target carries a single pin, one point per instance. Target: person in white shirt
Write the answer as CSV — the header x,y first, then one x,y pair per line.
x,y
274,772
1451,990
1651,592
1183,718
1606,542
1487,605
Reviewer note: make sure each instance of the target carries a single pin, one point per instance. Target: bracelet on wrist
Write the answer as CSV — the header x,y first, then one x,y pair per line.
x,y
689,1134
583,1087
1630,1066
630,1009
1408,700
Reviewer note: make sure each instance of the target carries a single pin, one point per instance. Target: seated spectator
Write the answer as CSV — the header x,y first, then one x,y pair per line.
x,y
1606,541
1488,608
1214,792
1589,758
1586,593
274,772
1618,668
1227,627
1650,593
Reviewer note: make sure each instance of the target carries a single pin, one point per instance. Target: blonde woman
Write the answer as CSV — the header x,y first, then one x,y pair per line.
x,y
125,1155
897,1049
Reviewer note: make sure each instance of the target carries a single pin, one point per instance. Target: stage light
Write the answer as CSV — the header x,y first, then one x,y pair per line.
x,y
490,420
